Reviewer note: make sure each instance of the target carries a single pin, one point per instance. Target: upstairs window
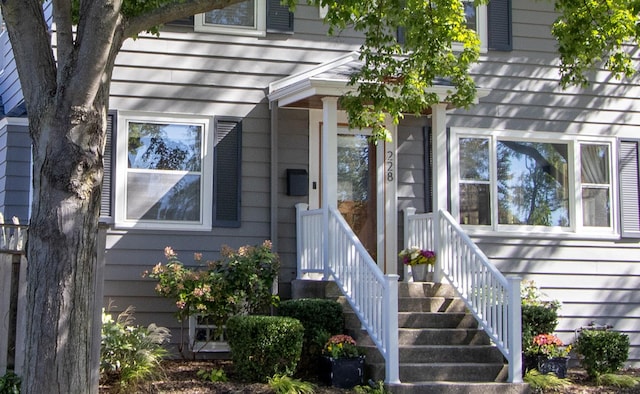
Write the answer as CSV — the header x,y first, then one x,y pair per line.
x,y
247,18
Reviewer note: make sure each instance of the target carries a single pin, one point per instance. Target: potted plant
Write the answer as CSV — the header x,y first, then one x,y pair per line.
x,y
344,362
551,354
418,259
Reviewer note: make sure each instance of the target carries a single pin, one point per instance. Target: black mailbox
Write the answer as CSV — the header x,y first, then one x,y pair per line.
x,y
297,182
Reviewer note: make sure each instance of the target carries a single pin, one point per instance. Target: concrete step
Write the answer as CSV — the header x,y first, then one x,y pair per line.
x,y
436,320
459,388
431,304
430,336
452,372
440,354
425,289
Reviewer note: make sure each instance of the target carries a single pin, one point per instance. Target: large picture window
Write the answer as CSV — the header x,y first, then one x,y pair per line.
x,y
164,173
505,183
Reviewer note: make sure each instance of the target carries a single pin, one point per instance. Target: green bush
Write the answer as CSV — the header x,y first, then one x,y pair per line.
x,y
10,383
264,346
538,319
321,318
602,351
241,282
283,384
538,316
130,354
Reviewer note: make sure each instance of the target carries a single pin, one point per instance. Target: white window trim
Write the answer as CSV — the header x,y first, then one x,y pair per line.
x,y
206,192
575,192
258,30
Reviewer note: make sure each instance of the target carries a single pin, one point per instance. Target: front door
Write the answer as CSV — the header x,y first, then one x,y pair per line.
x,y
356,186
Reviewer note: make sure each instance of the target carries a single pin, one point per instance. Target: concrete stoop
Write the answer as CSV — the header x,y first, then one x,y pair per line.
x,y
441,348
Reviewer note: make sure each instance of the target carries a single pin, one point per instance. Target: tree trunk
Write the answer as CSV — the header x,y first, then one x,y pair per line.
x,y
62,249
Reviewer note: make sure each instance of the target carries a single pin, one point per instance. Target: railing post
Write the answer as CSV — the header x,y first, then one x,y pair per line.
x,y
438,228
390,316
326,241
514,329
299,237
408,238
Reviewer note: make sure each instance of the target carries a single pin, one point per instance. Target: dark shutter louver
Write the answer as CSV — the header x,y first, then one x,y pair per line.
x,y
279,18
428,170
227,178
106,198
629,189
499,25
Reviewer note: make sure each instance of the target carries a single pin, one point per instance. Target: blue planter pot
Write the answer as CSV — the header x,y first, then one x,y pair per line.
x,y
345,373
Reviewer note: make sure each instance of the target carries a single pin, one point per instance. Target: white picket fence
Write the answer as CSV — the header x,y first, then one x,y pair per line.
x,y
13,270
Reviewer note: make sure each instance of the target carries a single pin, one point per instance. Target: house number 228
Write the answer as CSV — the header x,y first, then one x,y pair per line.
x,y
389,165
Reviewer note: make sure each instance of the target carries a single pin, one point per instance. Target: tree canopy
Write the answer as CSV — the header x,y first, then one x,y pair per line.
x,y
596,33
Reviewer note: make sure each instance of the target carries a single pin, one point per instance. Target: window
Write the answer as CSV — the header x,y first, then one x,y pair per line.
x,y
164,172
477,20
596,185
508,184
247,18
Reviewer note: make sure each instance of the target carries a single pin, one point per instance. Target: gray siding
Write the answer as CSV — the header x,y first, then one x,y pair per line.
x,y
216,75
15,171
595,279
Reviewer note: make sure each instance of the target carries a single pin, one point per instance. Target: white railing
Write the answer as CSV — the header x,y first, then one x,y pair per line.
x,y
372,295
419,231
309,241
493,299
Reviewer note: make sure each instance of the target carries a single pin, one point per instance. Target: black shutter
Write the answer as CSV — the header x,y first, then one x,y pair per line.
x,y
279,18
227,175
629,166
499,25
106,198
428,170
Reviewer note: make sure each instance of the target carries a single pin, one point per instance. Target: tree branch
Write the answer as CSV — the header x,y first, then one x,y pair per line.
x,y
171,11
64,32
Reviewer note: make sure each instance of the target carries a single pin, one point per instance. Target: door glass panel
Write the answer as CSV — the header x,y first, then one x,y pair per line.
x,y
356,187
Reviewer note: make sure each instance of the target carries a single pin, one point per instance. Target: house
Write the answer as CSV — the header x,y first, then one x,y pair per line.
x,y
543,180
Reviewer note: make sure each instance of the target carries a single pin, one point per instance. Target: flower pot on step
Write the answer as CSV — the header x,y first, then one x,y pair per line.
x,y
345,373
419,272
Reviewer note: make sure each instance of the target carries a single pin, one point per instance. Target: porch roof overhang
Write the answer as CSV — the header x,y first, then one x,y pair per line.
x,y
305,90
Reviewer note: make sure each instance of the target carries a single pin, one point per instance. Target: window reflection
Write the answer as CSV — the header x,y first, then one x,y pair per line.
x,y
240,14
533,183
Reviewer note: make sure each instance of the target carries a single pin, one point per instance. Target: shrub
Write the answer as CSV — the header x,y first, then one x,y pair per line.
x,y
10,383
264,346
214,375
602,351
130,354
241,282
538,316
283,384
543,382
321,318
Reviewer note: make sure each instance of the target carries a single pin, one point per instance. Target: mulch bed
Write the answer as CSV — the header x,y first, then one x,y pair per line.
x,y
180,376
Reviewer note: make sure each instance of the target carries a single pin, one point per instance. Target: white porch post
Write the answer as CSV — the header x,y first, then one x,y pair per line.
x,y
387,238
439,177
329,170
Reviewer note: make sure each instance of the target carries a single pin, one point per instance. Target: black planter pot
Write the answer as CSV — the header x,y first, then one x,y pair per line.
x,y
345,373
557,365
